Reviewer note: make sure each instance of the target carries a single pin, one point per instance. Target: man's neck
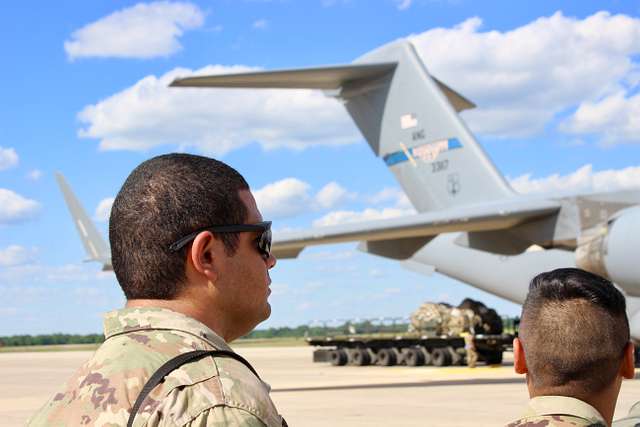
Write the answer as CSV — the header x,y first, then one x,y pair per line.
x,y
190,309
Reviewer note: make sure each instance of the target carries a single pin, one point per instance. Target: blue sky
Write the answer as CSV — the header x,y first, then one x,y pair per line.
x,y
84,93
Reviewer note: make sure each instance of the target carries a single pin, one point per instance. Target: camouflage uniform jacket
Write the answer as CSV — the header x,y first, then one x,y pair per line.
x,y
209,392
631,420
560,411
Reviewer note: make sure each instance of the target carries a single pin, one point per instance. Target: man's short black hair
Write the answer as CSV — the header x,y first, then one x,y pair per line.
x,y
162,200
574,331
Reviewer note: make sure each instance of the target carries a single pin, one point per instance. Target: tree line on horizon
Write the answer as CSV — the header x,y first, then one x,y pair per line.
x,y
281,332
302,331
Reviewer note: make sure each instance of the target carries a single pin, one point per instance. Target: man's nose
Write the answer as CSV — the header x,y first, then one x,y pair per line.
x,y
271,261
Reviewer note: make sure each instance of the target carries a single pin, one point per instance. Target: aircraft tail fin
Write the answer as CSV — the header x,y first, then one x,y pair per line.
x,y
94,245
409,118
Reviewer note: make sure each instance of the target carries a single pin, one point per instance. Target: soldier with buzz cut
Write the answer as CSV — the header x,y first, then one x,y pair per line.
x,y
574,348
192,254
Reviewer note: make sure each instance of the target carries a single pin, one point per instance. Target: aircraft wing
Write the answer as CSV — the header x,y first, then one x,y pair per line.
x,y
412,232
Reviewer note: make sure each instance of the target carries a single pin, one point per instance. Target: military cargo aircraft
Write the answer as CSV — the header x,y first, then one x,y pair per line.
x,y
470,225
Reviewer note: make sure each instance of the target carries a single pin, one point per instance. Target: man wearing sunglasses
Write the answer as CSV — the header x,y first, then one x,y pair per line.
x,y
191,252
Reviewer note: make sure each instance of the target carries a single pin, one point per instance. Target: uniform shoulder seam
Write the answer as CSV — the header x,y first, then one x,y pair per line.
x,y
231,405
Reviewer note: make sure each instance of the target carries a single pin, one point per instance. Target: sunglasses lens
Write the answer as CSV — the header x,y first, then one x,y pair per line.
x,y
264,243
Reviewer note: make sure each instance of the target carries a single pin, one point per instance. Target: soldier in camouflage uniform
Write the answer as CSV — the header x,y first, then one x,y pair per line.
x,y
189,286
470,349
574,348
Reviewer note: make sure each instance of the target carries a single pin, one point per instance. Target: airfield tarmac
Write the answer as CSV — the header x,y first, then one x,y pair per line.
x,y
309,394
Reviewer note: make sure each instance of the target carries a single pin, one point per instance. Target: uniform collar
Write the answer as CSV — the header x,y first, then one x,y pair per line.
x,y
127,320
562,405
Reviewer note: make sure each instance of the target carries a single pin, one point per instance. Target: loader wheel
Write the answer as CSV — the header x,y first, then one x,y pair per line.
x,y
413,357
493,358
338,357
386,357
440,357
428,359
360,357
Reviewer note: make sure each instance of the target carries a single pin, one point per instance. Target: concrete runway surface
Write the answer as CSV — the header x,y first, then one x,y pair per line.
x,y
309,394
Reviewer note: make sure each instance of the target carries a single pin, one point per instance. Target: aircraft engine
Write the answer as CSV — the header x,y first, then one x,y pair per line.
x,y
612,250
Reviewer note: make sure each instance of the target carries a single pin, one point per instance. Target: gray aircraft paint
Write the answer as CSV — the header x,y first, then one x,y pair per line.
x,y
428,148
391,96
94,245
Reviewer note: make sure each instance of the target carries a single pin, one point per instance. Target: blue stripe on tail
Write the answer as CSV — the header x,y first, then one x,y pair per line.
x,y
396,157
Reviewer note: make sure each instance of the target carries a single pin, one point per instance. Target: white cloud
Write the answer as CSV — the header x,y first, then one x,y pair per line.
x,y
8,158
287,197
403,4
16,255
103,210
369,214
214,121
15,208
616,118
391,194
523,78
34,174
291,196
332,195
260,24
145,30
583,179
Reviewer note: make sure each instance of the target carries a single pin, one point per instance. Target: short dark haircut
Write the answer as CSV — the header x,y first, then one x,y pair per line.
x,y
574,331
162,200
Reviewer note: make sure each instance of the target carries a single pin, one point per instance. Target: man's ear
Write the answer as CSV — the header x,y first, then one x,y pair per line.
x,y
519,362
203,255
627,369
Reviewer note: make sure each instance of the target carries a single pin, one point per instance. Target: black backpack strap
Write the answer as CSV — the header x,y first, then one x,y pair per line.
x,y
175,363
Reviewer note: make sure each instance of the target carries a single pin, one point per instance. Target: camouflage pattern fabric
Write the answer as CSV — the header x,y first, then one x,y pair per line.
x,y
209,392
461,320
631,420
559,411
430,318
439,319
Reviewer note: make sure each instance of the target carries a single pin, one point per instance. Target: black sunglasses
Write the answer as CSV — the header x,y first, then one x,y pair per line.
x,y
263,241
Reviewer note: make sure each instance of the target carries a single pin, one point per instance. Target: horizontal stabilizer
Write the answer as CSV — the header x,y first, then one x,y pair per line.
x,y
458,101
94,245
491,216
325,78
304,78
